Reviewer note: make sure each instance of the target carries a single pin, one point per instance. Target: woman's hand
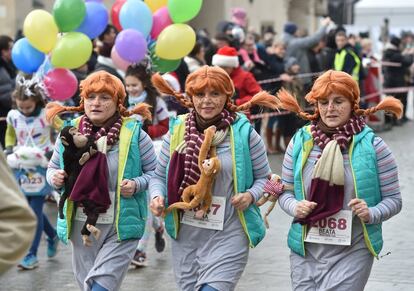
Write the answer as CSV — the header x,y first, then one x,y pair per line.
x,y
128,188
157,205
360,208
242,200
304,208
58,178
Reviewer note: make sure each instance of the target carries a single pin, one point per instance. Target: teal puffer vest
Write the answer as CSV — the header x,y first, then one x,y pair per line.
x,y
251,218
131,213
365,174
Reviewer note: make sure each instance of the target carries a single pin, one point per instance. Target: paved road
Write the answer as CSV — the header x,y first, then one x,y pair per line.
x,y
268,267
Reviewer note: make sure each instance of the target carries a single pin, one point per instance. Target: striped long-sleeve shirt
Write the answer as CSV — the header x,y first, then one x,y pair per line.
x,y
261,168
391,202
148,160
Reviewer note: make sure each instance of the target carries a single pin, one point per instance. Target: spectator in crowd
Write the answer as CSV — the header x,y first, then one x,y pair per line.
x,y
7,78
195,58
245,84
346,59
298,46
394,76
104,60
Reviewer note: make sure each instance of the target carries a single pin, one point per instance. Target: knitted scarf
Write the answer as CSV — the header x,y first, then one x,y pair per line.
x,y
322,134
183,170
327,186
111,129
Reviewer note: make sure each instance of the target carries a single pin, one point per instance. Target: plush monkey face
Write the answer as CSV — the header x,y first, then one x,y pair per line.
x,y
70,136
211,166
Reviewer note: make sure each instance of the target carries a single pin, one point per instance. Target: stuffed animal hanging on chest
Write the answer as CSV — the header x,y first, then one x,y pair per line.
x,y
199,194
79,149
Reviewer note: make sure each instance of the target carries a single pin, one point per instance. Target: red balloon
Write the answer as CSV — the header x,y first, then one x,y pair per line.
x,y
116,8
60,83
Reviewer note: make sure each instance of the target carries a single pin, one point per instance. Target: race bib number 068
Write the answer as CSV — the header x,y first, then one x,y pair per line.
x,y
334,230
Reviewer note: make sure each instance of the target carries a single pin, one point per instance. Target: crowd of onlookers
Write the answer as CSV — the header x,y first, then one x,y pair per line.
x,y
269,61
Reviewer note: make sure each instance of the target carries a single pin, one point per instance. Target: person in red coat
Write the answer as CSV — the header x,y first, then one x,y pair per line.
x,y
245,84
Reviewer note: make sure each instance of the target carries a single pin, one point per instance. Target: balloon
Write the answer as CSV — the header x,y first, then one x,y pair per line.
x,y
72,51
131,45
116,8
162,65
184,10
40,29
60,84
25,57
136,14
161,19
175,41
95,21
154,5
97,1
69,14
119,62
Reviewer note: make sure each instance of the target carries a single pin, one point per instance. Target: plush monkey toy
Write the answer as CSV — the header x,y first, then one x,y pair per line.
x,y
78,150
271,192
200,193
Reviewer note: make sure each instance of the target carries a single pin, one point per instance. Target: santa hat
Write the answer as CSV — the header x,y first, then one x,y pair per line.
x,y
226,57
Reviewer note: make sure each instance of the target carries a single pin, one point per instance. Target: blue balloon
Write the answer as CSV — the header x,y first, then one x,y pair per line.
x,y
95,21
25,57
136,14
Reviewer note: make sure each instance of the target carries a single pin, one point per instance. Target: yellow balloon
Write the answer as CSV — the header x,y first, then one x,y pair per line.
x,y
72,50
154,5
40,29
175,41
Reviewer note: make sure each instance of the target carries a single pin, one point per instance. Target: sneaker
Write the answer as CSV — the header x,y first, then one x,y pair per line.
x,y
52,245
159,241
140,259
29,262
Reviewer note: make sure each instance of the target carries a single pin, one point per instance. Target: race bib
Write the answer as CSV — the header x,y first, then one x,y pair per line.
x,y
213,219
104,218
32,182
332,230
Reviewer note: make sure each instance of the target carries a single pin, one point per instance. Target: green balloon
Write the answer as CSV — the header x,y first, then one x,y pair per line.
x,y
69,14
183,10
72,50
162,65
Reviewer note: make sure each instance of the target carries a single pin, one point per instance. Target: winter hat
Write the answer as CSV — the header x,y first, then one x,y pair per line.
x,y
291,61
226,57
290,28
239,16
395,41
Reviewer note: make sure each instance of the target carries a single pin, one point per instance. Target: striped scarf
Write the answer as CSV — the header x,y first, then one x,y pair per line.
x,y
193,140
322,134
111,129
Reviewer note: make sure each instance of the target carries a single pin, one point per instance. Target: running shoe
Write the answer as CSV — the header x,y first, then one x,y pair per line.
x,y
140,259
52,245
29,262
159,240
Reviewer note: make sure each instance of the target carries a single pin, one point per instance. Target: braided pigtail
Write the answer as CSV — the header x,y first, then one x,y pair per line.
x,y
262,98
163,87
53,109
389,104
142,109
290,103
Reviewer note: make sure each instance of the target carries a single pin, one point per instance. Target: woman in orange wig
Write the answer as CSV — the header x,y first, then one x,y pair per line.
x,y
345,184
211,254
101,262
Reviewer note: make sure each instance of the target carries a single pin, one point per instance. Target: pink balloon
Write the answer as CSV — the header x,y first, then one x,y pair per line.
x,y
119,62
60,83
160,20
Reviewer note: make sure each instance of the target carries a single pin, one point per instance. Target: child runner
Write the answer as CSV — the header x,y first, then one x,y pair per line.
x,y
27,127
140,89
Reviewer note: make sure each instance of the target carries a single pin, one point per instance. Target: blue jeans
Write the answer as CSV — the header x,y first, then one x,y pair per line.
x,y
43,224
207,287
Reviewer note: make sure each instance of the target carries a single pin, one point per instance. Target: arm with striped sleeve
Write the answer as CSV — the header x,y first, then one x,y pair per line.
x,y
391,202
260,163
157,184
54,163
287,200
148,161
